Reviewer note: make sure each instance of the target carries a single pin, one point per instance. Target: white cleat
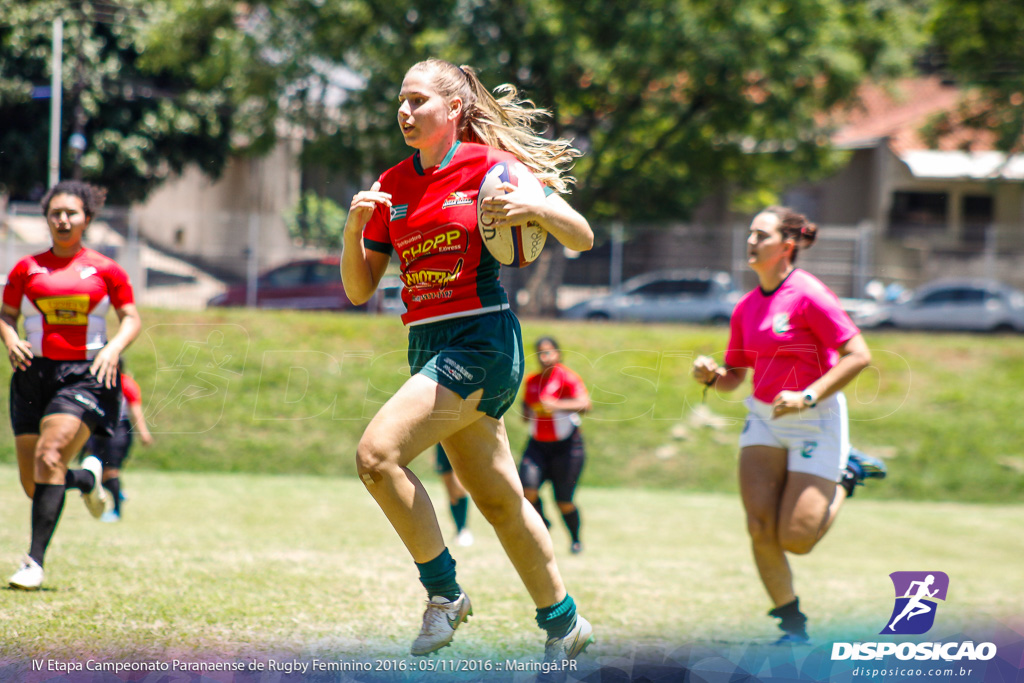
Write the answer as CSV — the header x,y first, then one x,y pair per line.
x,y
29,577
96,499
568,647
440,620
465,538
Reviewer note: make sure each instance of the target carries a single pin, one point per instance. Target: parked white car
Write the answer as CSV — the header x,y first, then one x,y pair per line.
x,y
973,305
696,296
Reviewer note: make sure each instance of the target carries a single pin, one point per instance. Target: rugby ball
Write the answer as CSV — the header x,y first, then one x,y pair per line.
x,y
518,245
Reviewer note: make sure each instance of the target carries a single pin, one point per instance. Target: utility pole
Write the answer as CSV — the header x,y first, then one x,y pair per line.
x,y
56,80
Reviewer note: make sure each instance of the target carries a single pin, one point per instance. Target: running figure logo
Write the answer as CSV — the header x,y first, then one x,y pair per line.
x,y
916,595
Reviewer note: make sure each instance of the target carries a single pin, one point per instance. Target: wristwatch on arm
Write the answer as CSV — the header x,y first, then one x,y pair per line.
x,y
810,398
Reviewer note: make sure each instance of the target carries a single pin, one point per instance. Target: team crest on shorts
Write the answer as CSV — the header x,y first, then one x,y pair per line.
x,y
808,450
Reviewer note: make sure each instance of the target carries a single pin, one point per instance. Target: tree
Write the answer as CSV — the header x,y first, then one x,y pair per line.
x,y
979,42
671,100
141,121
316,221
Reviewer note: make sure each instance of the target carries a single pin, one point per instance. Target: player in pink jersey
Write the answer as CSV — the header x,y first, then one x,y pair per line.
x,y
795,463
465,345
65,384
552,403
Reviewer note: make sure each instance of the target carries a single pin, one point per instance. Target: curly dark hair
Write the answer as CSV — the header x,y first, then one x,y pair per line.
x,y
547,340
92,197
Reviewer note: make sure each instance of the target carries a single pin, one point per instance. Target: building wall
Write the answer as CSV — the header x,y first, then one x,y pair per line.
x,y
847,198
212,220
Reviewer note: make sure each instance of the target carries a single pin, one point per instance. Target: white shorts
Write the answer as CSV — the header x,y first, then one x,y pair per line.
x,y
816,439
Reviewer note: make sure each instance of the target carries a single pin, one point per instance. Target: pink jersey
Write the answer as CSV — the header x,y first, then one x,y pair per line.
x,y
65,301
432,225
558,382
790,337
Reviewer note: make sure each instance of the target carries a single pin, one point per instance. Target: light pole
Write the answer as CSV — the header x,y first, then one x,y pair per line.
x,y
55,100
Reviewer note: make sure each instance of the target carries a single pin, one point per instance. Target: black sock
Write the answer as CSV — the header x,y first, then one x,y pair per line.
x,y
114,486
849,482
538,505
47,504
572,523
83,480
792,620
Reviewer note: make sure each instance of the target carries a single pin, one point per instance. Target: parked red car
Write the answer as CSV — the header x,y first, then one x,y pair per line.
x,y
309,284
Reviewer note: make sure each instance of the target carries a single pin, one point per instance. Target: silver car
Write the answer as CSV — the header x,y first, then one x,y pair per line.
x,y
696,296
972,305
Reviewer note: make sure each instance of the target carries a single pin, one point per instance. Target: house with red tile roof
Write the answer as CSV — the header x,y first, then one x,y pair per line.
x,y
953,208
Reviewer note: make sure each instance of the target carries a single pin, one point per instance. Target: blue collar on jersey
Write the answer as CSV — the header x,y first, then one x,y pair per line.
x,y
444,162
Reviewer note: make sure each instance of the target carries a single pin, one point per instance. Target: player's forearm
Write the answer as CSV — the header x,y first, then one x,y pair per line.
x,y
575,405
131,325
356,274
566,224
8,330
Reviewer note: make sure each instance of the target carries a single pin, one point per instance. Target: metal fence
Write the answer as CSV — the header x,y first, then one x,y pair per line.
x,y
160,279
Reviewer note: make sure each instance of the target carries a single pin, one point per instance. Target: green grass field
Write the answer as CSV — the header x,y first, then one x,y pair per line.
x,y
247,536
290,392
245,566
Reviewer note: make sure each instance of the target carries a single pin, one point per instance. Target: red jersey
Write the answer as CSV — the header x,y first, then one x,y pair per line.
x,y
65,301
131,395
555,383
432,224
130,389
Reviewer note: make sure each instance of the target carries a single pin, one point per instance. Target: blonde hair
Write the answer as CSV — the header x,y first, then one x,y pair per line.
x,y
504,122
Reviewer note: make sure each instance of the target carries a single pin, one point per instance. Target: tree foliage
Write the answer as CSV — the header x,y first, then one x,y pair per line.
x,y
141,121
671,99
316,221
980,43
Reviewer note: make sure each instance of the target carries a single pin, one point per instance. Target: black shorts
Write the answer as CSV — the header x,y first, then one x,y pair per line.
x,y
560,462
112,450
49,387
442,464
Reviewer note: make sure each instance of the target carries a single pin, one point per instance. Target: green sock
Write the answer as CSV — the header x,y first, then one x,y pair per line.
x,y
460,510
438,576
559,618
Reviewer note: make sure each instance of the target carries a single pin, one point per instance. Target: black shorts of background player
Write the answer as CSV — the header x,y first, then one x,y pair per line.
x,y
458,498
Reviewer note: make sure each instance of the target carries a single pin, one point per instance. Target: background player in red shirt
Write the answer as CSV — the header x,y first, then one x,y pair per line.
x,y
465,345
65,384
114,450
552,404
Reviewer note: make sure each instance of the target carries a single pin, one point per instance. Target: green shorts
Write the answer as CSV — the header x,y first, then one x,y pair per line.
x,y
467,354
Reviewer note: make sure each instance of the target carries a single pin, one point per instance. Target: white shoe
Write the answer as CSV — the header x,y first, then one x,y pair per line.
x,y
96,499
568,647
465,538
440,620
29,577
